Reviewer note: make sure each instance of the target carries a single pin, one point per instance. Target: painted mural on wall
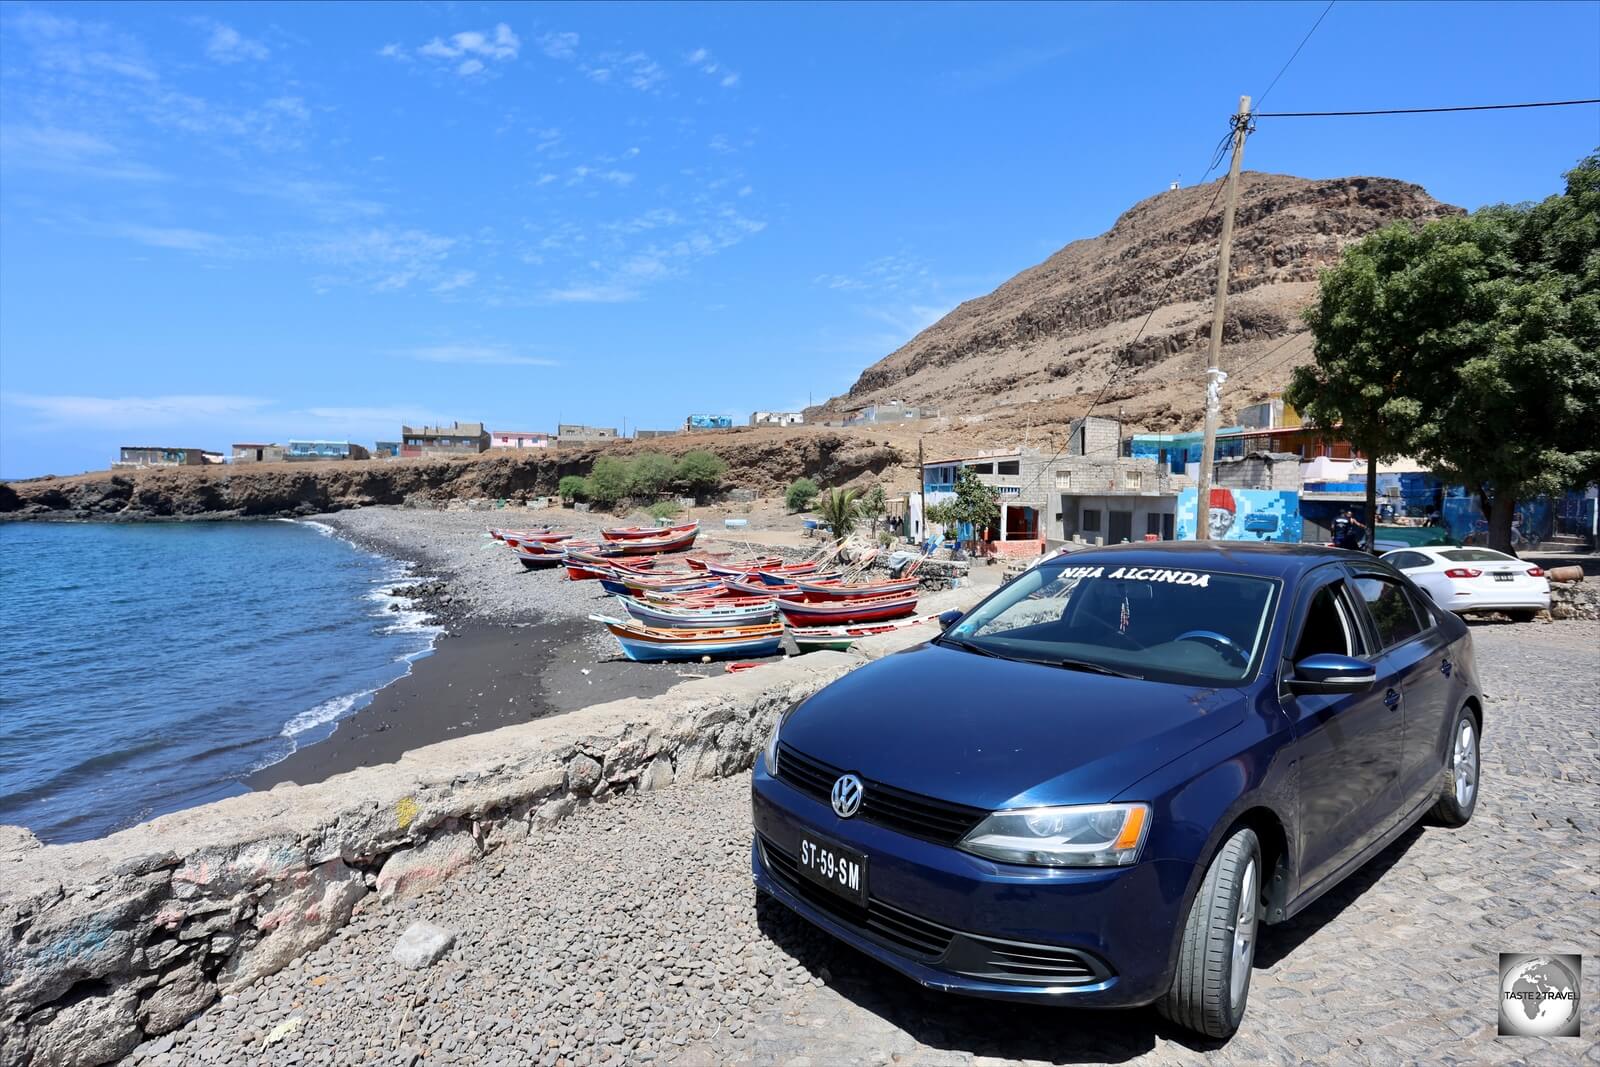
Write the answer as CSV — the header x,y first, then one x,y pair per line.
x,y
1532,522
1243,515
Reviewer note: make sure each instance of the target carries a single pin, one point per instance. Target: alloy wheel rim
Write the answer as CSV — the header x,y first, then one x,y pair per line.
x,y
1466,763
1244,936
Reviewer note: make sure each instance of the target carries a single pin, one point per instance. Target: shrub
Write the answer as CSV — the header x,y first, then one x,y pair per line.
x,y
650,474
840,509
608,481
800,494
572,487
699,471
665,509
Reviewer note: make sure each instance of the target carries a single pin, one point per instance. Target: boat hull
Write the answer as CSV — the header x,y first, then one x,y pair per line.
x,y
800,613
812,589
645,644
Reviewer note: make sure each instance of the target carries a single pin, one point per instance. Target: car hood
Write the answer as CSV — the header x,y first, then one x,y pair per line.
x,y
995,733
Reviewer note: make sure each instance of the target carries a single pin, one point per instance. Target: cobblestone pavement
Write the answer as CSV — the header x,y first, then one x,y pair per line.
x,y
629,934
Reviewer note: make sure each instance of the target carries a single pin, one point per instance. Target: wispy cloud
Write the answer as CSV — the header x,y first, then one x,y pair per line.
x,y
383,258
478,355
559,45
175,237
227,45
636,70
591,294
702,60
469,51
132,412
60,151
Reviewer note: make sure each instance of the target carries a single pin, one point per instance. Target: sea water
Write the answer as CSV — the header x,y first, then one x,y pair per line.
x,y
146,668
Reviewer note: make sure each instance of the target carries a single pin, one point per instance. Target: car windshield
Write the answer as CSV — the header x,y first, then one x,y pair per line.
x,y
1168,624
1476,555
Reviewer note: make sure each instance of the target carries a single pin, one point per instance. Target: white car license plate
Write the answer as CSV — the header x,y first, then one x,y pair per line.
x,y
1504,576
832,866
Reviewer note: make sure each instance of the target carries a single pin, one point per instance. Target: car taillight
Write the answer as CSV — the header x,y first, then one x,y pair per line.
x,y
1462,572
1535,572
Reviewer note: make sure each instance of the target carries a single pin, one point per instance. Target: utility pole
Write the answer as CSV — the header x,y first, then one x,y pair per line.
x,y
1214,374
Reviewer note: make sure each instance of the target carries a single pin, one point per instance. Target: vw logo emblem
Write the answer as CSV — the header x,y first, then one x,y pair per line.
x,y
847,796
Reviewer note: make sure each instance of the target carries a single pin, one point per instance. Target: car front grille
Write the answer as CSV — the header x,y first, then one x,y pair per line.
x,y
899,929
897,809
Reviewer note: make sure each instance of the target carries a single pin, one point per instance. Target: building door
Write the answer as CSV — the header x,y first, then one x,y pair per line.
x,y
1166,526
1119,528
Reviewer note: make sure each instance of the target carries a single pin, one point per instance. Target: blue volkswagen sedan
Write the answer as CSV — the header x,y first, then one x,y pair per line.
x,y
1092,788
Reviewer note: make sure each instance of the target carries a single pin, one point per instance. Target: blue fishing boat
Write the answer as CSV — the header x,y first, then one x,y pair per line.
x,y
649,644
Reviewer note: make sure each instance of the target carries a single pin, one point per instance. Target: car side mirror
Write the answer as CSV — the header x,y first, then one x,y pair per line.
x,y
948,619
1327,672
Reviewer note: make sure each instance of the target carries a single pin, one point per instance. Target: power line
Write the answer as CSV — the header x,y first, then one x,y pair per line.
x,y
1263,97
1419,110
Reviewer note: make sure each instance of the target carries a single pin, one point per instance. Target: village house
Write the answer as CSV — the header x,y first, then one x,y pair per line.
x,y
645,435
302,451
707,422
139,456
386,449
777,418
574,434
457,439
257,453
518,439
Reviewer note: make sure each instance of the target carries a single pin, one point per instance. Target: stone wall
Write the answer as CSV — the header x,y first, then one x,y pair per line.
x,y
106,943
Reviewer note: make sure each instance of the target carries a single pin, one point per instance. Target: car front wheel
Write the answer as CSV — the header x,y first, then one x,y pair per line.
x,y
1218,945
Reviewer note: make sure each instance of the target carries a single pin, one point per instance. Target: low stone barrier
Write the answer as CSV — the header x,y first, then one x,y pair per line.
x,y
106,943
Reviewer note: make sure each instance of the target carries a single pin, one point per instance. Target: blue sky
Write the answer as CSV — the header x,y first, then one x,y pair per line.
x,y
224,223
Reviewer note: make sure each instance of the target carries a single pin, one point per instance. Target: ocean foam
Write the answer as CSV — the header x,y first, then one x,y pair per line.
x,y
325,712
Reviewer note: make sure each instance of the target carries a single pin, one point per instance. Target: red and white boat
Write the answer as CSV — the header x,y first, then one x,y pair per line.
x,y
533,554
675,541
642,533
805,612
814,589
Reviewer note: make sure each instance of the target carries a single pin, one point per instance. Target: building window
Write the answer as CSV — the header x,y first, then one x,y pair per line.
x,y
1063,479
1135,479
981,468
1011,466
1091,520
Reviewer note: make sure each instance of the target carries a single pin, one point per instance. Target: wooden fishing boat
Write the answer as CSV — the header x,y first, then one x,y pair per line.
x,y
814,589
533,554
644,533
801,613
781,577
840,638
649,546
524,538
698,616
647,644
734,567
636,585
756,587
702,597
500,535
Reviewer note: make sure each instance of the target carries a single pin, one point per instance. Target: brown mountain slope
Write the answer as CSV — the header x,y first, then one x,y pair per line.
x,y
1036,350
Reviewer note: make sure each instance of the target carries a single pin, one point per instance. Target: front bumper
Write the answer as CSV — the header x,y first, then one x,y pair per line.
x,y
955,922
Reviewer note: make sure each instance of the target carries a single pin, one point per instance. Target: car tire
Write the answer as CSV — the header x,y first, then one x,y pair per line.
x,y
1212,982
1522,614
1459,795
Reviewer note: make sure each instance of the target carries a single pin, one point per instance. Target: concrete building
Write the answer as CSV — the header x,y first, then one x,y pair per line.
x,y
518,439
888,411
257,453
1007,472
1108,499
1259,470
457,439
645,435
1268,415
301,451
386,449
777,418
573,434
707,422
136,457
1095,436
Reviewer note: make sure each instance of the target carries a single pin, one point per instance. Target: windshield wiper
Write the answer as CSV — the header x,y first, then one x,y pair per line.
x,y
1096,668
961,642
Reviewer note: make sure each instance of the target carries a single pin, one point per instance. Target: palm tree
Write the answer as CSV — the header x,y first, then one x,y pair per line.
x,y
840,508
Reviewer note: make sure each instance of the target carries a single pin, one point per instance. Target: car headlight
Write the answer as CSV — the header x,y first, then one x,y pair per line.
x,y
770,753
1101,835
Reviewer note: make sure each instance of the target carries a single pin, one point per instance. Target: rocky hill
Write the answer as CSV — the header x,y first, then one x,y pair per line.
x,y
763,459
1030,351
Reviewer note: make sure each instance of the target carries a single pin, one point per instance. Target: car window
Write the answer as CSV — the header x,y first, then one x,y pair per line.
x,y
1163,623
1405,561
1476,555
1391,609
1329,625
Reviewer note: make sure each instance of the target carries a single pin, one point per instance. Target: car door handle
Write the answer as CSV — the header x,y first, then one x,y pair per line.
x,y
1392,698
1446,667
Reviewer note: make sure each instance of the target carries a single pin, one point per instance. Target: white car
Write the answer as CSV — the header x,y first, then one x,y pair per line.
x,y
1467,580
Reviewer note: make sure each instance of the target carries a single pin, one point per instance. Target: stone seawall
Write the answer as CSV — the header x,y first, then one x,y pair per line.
x,y
106,943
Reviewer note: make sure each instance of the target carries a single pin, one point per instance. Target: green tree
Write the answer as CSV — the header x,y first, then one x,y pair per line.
x,y
608,481
873,506
1472,344
572,487
700,472
840,509
801,492
650,474
665,509
975,502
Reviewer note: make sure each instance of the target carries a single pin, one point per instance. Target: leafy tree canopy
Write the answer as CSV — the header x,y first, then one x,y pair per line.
x,y
800,494
650,474
608,480
700,470
572,487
